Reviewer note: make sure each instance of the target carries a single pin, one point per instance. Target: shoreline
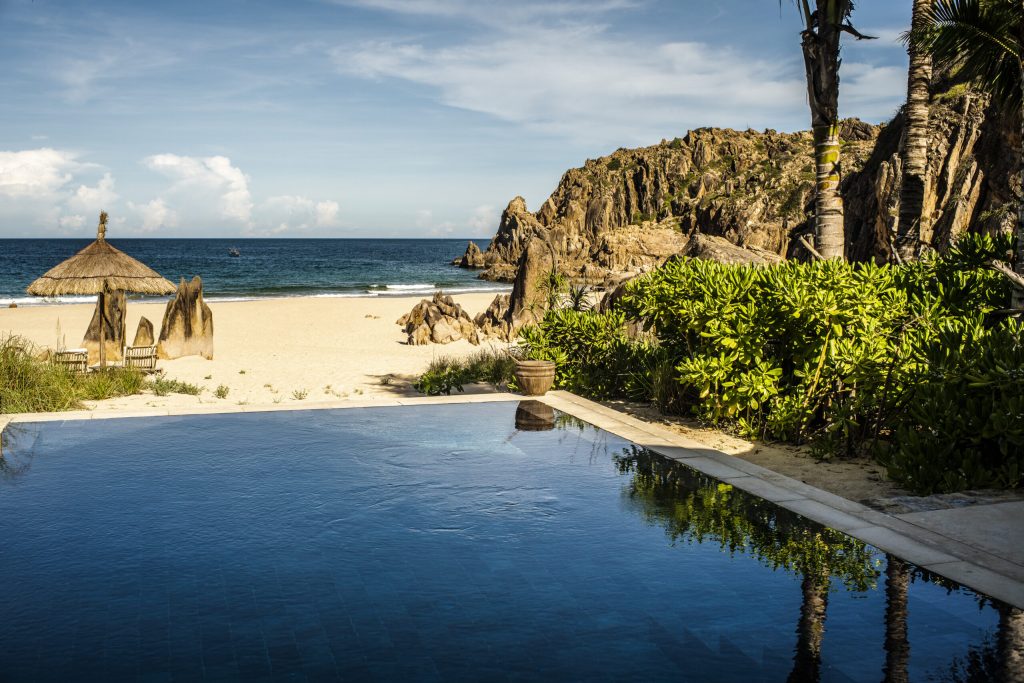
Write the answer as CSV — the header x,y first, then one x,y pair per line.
x,y
271,351
426,291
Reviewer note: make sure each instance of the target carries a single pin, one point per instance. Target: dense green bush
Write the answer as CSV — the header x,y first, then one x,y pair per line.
x,y
594,353
850,357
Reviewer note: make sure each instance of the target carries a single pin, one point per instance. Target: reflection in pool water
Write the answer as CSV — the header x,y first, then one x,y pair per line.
x,y
440,543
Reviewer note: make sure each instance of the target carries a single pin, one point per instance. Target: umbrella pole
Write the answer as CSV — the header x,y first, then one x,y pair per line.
x,y
103,341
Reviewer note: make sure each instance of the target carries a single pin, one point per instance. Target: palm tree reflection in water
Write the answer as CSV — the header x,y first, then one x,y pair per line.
x,y
693,507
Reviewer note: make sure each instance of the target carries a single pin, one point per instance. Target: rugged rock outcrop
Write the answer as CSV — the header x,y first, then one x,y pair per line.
x,y
495,322
187,329
439,321
635,207
473,258
113,328
144,333
711,248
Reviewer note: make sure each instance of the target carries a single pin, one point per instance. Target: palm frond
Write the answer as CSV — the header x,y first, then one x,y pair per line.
x,y
978,41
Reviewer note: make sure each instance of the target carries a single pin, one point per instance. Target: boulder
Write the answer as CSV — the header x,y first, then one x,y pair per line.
x,y
12,305
187,329
144,333
712,248
495,321
438,320
473,258
113,328
528,300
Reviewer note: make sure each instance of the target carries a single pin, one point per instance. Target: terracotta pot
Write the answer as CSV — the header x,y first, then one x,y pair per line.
x,y
534,377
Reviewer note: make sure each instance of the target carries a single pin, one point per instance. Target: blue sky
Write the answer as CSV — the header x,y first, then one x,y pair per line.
x,y
389,118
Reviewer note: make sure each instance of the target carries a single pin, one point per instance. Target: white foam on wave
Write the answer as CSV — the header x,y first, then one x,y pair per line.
x,y
46,301
389,290
413,287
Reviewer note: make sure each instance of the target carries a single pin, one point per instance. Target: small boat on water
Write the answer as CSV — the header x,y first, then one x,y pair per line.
x,y
234,251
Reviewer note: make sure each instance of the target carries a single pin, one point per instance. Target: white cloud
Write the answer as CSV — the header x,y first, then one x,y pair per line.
x,y
91,200
285,213
327,214
199,178
424,218
496,12
579,82
155,214
36,173
484,219
871,92
71,222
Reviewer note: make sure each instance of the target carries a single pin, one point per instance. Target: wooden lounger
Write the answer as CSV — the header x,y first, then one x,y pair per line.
x,y
141,357
76,360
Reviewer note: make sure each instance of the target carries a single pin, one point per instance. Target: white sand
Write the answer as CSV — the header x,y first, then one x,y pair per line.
x,y
330,348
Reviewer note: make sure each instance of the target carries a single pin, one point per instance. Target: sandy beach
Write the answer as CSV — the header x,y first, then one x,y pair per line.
x,y
271,351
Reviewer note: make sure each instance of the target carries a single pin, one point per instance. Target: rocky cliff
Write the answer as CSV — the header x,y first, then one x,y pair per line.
x,y
632,209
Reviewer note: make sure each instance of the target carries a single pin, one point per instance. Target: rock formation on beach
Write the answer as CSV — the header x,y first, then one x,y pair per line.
x,y
113,328
144,333
630,210
439,321
187,329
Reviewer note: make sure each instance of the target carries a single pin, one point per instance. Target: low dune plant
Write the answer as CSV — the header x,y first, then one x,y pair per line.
x,y
222,391
162,385
29,383
446,373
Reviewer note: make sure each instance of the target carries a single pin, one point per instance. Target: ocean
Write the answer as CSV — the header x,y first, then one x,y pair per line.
x,y
266,268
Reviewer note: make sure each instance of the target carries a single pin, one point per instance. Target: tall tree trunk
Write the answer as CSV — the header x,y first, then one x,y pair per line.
x,y
914,227
1017,298
811,630
897,645
820,43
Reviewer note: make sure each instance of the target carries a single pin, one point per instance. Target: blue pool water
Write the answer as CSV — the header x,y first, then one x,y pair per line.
x,y
436,543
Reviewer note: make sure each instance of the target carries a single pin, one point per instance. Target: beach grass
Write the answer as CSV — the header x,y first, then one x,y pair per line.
x,y
446,373
29,383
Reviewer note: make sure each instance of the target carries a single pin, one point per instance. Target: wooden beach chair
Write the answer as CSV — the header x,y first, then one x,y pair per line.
x,y
141,357
76,360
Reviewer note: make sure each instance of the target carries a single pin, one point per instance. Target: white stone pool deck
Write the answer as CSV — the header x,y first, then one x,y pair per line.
x,y
980,546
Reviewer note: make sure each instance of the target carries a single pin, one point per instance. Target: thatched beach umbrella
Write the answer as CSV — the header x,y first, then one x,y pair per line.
x,y
97,269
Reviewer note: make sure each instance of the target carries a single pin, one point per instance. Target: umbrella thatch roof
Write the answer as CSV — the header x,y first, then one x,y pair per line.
x,y
97,267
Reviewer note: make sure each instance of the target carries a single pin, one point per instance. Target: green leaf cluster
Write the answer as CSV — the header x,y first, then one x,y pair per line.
x,y
913,362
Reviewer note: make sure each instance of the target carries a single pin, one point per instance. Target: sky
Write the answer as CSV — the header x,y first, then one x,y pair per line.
x,y
379,118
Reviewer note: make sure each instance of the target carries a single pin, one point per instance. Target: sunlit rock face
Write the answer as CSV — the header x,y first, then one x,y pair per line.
x,y
632,209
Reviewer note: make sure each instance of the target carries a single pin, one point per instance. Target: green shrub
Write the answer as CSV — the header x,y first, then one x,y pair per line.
x,y
221,391
445,373
161,386
594,354
31,384
849,357
964,417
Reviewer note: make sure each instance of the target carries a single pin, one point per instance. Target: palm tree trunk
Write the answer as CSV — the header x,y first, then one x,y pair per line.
x,y
820,43
811,630
897,645
1017,297
913,227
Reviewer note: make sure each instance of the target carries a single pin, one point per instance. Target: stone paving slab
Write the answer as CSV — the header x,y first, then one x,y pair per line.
x,y
997,528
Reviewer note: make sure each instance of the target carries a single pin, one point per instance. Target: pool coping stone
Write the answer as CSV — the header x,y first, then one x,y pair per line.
x,y
966,564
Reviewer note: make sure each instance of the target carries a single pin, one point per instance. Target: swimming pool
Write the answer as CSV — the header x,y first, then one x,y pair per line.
x,y
441,542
